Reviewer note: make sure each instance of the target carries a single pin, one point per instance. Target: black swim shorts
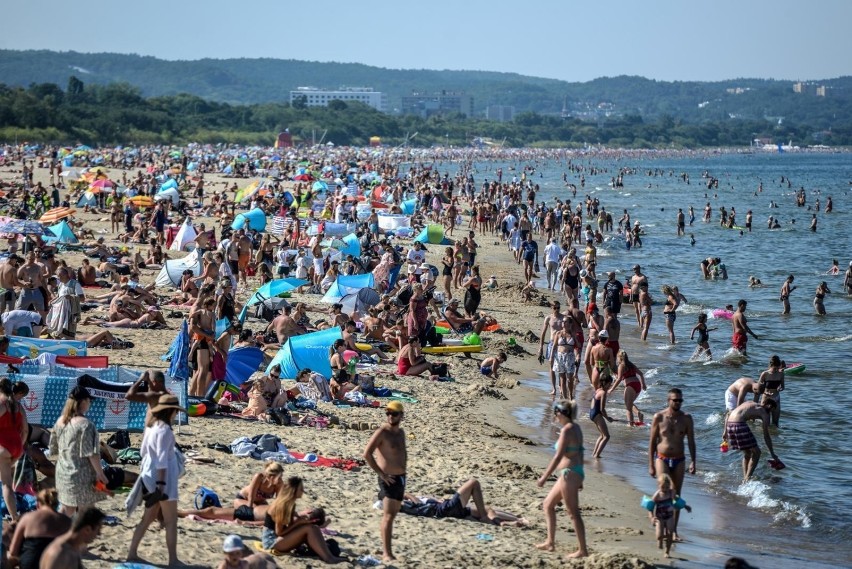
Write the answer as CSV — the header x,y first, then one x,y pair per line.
x,y
244,513
114,476
452,508
394,490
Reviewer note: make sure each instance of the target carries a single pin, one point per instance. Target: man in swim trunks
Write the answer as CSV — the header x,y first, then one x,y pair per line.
x,y
243,254
387,456
635,282
9,281
736,393
457,506
32,278
613,329
740,437
316,251
665,452
739,340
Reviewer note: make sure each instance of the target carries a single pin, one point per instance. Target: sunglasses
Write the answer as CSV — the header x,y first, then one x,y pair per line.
x,y
275,375
676,400
393,413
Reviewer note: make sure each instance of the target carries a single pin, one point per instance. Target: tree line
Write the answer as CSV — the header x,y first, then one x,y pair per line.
x,y
118,113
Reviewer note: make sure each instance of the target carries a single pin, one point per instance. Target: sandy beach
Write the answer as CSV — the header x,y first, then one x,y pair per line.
x,y
456,430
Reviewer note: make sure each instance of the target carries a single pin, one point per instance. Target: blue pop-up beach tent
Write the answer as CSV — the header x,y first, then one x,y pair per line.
x,y
353,245
306,351
254,219
347,284
60,233
408,206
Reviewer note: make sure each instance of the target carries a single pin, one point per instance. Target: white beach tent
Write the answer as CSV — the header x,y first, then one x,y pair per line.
x,y
186,234
168,194
172,271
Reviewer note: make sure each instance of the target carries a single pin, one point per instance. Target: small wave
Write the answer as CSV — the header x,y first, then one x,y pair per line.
x,y
667,347
711,478
841,339
714,419
758,497
651,373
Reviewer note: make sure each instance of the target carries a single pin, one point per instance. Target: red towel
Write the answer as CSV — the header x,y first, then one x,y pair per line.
x,y
341,463
83,361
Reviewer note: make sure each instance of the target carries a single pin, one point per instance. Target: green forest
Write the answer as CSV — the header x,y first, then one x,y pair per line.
x,y
119,113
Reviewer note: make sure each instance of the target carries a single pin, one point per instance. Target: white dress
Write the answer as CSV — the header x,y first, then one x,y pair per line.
x,y
158,452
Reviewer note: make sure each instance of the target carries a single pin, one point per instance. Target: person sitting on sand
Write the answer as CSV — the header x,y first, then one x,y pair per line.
x,y
465,325
491,365
284,530
238,557
411,360
264,486
457,507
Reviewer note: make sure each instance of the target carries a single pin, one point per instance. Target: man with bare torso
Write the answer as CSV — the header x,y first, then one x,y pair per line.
x,y
285,326
202,329
736,393
665,452
33,292
147,389
740,326
316,251
9,281
87,276
387,456
635,282
244,254
738,435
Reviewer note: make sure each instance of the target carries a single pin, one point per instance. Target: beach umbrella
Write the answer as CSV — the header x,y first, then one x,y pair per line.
x,y
57,213
142,201
247,192
23,227
242,363
102,184
334,243
270,290
319,186
303,178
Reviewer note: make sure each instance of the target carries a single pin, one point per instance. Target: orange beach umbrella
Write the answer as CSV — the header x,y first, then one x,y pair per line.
x,y
57,213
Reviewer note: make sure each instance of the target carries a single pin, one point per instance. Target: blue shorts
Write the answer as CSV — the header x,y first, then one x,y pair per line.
x,y
485,370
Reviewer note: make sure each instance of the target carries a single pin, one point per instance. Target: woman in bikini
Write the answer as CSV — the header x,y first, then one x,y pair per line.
x,y
567,462
634,383
598,414
264,486
819,298
644,310
599,357
771,384
448,262
670,310
13,433
562,360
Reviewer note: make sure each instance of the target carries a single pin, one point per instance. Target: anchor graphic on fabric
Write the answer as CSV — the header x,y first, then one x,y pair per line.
x,y
33,404
117,407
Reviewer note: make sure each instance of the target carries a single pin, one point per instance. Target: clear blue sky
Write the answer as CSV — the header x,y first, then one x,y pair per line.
x,y
563,39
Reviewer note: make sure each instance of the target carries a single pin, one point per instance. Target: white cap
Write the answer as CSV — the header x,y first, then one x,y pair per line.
x,y
233,543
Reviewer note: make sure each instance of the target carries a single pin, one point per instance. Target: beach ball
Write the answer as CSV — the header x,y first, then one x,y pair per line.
x,y
348,355
197,410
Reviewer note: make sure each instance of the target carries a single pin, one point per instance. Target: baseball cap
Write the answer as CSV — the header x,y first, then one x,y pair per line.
x,y
394,406
232,543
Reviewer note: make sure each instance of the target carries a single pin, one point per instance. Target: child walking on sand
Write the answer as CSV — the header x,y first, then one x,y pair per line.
x,y
491,364
665,499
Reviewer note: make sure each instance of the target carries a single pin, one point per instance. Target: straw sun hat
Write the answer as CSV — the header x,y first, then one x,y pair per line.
x,y
167,401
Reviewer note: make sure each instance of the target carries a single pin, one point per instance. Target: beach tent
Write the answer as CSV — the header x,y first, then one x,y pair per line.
x,y
185,235
308,350
360,301
242,363
172,271
408,206
60,233
270,290
254,219
353,245
347,284
171,183
169,194
87,199
434,234
392,222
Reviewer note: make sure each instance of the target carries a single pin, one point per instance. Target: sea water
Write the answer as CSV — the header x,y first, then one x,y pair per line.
x,y
796,515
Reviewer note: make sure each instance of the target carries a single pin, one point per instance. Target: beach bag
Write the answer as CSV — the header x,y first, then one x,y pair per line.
x,y
280,416
206,498
119,440
439,369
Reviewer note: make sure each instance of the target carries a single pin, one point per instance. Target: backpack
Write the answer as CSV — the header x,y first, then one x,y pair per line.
x,y
206,498
119,440
439,369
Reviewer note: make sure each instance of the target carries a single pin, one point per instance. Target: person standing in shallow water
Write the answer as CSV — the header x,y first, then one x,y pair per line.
x,y
739,340
786,289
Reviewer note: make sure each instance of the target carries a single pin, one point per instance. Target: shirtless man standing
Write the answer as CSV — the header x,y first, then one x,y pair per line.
x,y
739,436
316,251
736,393
9,281
786,289
32,278
202,329
244,254
67,550
665,452
552,322
613,330
635,282
739,340
389,462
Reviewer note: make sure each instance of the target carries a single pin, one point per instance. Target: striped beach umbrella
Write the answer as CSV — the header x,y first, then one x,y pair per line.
x,y
56,214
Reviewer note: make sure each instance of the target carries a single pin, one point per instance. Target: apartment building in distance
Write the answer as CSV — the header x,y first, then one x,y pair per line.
x,y
321,97
437,103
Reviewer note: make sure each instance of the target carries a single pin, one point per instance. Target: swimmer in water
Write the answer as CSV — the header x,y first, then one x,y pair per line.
x,y
703,340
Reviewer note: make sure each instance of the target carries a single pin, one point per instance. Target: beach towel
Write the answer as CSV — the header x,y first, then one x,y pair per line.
x,y
327,462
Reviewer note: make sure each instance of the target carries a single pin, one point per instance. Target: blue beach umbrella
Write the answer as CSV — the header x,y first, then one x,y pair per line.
x,y
242,362
271,289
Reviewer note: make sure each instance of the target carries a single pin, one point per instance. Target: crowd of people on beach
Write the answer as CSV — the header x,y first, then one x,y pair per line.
x,y
46,295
